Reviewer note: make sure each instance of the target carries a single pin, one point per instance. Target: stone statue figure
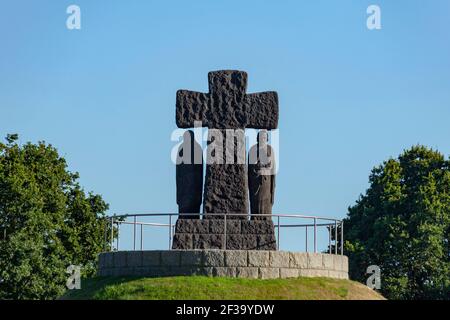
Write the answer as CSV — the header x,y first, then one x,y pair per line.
x,y
189,176
261,177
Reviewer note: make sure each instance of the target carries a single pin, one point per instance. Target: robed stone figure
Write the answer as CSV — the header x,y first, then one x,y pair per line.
x,y
189,176
261,177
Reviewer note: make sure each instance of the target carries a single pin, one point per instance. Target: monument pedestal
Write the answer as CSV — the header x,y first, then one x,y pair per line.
x,y
220,263
193,234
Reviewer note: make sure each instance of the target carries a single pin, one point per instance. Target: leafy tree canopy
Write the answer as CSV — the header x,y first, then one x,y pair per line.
x,y
47,222
402,224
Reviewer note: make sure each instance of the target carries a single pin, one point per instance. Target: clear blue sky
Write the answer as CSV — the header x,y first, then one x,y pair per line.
x,y
105,95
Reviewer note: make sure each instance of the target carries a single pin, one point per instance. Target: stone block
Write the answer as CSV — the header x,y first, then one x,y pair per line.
x,y
224,272
258,259
208,241
182,241
170,258
257,227
201,226
214,258
234,242
120,272
313,273
236,258
247,272
249,242
266,242
269,273
184,226
216,226
234,226
328,261
344,264
151,258
120,259
191,258
315,261
105,272
134,259
279,259
288,273
105,260
298,260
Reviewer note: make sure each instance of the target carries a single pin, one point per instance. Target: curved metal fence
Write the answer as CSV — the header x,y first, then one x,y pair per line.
x,y
335,228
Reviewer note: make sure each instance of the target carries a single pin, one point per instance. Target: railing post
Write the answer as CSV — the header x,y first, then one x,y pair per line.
x,y
105,234
225,231
306,238
170,232
329,239
134,233
118,235
278,231
342,237
335,237
315,235
112,233
142,243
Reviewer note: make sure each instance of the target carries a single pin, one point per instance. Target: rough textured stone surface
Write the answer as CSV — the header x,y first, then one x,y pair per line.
x,y
170,258
258,259
236,258
120,259
266,242
183,241
313,273
269,273
191,258
315,261
208,234
224,272
247,272
208,241
215,258
151,258
134,258
279,259
227,106
230,263
288,273
250,242
298,260
328,262
105,260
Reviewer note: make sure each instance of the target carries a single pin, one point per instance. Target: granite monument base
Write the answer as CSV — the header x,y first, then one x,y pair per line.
x,y
223,263
191,234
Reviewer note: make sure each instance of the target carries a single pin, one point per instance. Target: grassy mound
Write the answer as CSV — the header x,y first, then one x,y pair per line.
x,y
193,288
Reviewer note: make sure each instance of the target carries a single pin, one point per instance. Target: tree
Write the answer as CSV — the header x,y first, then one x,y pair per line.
x,y
47,222
402,224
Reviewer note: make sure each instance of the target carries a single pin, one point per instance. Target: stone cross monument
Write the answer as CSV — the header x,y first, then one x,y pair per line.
x,y
226,111
227,106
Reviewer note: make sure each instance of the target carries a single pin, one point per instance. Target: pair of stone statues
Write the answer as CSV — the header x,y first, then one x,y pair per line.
x,y
260,175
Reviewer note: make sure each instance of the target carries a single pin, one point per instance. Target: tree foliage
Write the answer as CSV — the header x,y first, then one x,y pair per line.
x,y
47,222
402,224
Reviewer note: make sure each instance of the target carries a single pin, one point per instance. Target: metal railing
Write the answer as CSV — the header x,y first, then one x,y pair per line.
x,y
315,222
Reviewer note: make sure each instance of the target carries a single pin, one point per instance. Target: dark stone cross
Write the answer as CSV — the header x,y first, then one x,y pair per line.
x,y
227,106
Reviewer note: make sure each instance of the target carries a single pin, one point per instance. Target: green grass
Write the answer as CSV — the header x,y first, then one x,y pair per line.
x,y
193,288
